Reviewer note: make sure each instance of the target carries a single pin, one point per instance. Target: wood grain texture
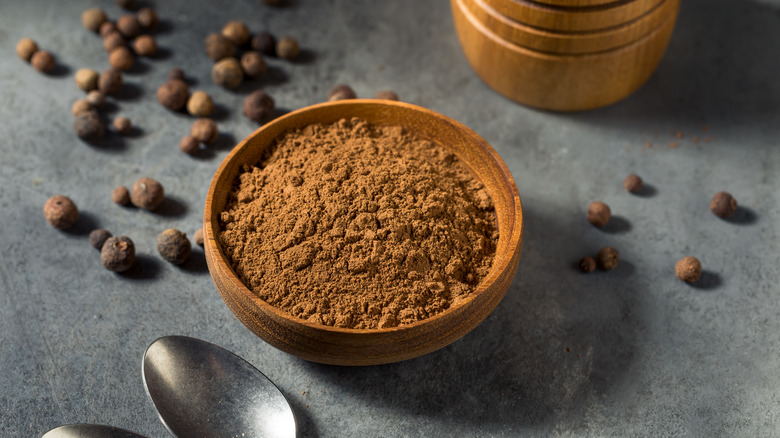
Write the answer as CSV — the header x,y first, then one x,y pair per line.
x,y
581,3
559,82
560,19
338,346
573,42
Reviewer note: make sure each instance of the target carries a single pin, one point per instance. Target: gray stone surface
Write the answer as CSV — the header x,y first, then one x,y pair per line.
x,y
650,355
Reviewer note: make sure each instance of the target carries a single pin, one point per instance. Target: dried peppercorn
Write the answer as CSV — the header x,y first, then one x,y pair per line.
x,y
80,106
204,130
587,264
147,18
189,145
198,237
253,64
341,92
147,194
259,106
118,253
122,125
265,43
287,48
110,81
89,127
173,94
386,95
112,41
218,47
25,48
200,104
98,237
121,58
42,61
60,212
86,79
145,45
96,98
607,258
227,72
723,205
688,269
93,18
236,32
120,195
107,28
174,246
128,26
633,183
598,213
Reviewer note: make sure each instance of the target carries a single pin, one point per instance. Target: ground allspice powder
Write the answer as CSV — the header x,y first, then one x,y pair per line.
x,y
359,226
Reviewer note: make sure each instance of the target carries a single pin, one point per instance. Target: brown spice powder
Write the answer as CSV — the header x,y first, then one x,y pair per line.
x,y
359,226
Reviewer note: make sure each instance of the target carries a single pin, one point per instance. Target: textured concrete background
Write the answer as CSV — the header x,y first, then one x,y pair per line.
x,y
650,355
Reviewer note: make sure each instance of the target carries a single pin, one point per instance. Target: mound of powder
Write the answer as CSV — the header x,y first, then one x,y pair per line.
x,y
359,226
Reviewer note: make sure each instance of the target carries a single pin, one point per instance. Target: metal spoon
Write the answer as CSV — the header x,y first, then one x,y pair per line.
x,y
200,389
90,431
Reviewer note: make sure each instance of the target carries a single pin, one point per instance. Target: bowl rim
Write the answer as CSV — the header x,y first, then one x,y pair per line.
x,y
514,241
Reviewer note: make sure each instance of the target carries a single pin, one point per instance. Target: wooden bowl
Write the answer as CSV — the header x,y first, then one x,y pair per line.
x,y
578,19
581,3
571,42
559,82
325,344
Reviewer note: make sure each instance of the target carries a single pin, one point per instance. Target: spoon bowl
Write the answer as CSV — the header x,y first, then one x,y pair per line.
x,y
90,431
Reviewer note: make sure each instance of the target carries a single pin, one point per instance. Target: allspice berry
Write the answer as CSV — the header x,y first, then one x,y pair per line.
x,y
688,269
107,28
723,205
259,106
147,194
121,196
176,73
174,246
89,127
189,145
98,237
121,58
204,130
633,183
112,41
110,81
253,64
93,18
173,94
200,104
25,48
236,32
198,237
86,79
227,72
145,45
118,253
122,125
42,61
265,43
598,213
60,212
287,48
587,264
218,47
96,98
128,26
80,106
341,92
386,95
607,258
147,18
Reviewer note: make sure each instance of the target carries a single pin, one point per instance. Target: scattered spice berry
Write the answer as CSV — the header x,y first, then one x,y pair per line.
x,y
42,61
587,264
147,194
96,98
227,72
218,47
253,64
86,79
145,45
287,48
688,269
189,145
121,196
118,253
200,104
236,32
341,92
723,205
25,48
259,106
633,183
126,4
121,58
198,237
598,213
176,73
107,28
80,106
98,237
173,94
112,41
128,26
88,126
147,18
93,18
607,258
386,95
122,125
110,81
174,246
204,130
60,212
265,43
